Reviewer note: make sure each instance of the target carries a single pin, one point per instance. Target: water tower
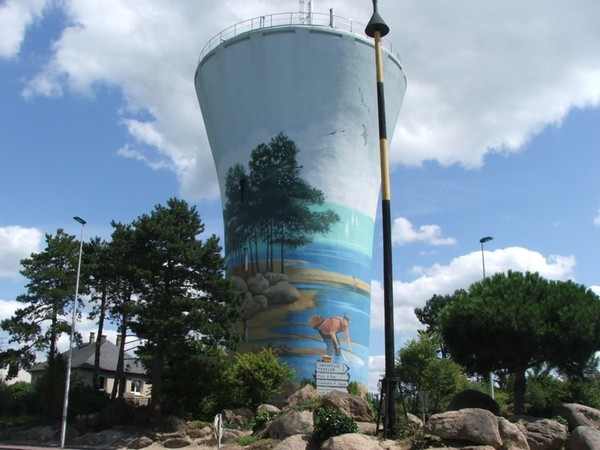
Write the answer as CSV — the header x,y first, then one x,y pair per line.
x,y
290,109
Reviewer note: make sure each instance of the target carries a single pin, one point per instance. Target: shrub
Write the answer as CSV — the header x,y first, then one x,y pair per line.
x,y
261,418
354,388
86,400
254,377
246,440
331,422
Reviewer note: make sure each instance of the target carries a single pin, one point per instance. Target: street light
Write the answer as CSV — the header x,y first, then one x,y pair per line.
x,y
63,427
482,241
377,28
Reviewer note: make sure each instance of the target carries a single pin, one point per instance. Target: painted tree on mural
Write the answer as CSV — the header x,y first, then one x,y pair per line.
x,y
271,204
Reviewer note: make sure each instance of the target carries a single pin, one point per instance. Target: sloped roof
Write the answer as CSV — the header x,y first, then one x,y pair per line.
x,y
84,356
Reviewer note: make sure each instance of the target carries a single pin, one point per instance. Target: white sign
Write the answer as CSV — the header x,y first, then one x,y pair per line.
x,y
328,389
332,383
333,376
332,367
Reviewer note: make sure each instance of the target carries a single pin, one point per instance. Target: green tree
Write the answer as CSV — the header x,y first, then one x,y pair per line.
x,y
37,326
16,399
125,277
420,369
254,377
100,273
182,292
586,389
514,322
194,385
428,316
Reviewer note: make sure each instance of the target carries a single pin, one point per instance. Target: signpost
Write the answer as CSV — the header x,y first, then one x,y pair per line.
x,y
332,376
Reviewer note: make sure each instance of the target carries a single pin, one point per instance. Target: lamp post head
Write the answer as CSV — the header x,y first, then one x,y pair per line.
x,y
376,24
485,239
80,220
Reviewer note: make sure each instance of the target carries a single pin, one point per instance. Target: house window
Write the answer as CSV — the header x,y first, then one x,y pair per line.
x,y
136,386
102,383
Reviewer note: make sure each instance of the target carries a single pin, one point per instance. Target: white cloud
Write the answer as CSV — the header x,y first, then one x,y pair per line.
x,y
597,219
403,232
15,17
376,372
149,52
17,243
477,73
8,308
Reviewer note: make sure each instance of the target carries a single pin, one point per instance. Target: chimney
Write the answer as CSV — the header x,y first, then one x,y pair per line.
x,y
103,338
92,337
119,340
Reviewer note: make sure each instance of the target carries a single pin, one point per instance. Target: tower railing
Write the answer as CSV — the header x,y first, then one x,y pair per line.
x,y
287,19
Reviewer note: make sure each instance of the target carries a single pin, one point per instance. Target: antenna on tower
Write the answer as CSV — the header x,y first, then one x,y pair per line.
x,y
305,17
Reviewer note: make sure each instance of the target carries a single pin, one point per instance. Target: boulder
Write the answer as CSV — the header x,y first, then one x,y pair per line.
x,y
579,415
415,420
350,440
368,428
266,408
261,300
296,442
290,423
199,432
230,435
275,278
471,398
353,405
140,442
306,393
584,438
282,293
257,284
239,283
236,418
479,426
511,435
249,306
543,434
177,442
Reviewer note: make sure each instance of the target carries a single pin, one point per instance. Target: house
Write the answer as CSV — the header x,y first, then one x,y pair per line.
x,y
137,387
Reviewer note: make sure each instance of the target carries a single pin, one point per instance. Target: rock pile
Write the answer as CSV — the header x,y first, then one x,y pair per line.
x,y
465,427
263,289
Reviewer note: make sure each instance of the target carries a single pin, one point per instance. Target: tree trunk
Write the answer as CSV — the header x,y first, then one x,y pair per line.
x,y
99,340
122,356
519,391
119,384
53,338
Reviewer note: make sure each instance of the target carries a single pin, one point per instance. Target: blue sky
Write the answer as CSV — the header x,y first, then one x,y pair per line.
x,y
499,133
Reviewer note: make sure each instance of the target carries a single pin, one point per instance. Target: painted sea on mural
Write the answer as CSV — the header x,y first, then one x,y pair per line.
x,y
332,281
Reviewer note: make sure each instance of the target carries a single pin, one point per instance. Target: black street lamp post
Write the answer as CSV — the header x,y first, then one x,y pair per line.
x,y
377,28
